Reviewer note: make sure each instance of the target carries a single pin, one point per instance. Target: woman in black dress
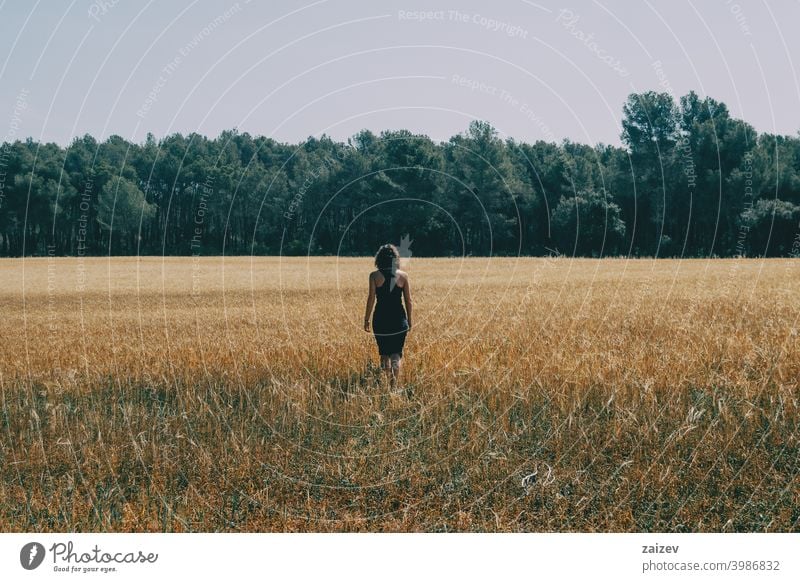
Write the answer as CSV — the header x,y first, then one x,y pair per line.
x,y
390,322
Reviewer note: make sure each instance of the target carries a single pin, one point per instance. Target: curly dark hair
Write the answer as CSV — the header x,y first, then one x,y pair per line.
x,y
387,257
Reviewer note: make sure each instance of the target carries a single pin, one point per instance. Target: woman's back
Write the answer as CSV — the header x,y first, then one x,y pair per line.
x,y
389,295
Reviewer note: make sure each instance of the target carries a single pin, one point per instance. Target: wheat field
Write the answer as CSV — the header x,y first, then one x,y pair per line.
x,y
552,394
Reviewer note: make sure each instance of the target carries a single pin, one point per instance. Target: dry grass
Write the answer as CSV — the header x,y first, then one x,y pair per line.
x,y
655,396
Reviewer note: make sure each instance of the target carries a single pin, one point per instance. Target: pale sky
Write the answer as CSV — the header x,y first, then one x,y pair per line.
x,y
289,70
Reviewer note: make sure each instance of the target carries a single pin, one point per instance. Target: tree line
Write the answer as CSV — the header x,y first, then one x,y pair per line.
x,y
689,180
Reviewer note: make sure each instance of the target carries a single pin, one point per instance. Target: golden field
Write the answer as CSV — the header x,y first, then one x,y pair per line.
x,y
241,394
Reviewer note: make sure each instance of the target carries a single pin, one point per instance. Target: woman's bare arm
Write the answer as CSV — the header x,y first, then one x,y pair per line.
x,y
370,302
407,300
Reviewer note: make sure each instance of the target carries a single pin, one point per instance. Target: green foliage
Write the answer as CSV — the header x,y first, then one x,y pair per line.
x,y
122,210
772,224
588,224
689,181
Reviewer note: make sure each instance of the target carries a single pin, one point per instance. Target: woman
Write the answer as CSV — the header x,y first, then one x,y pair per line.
x,y
390,322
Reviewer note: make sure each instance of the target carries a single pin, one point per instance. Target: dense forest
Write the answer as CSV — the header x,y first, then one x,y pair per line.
x,y
690,181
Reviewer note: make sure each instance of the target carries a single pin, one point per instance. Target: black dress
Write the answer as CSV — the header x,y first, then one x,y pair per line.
x,y
389,322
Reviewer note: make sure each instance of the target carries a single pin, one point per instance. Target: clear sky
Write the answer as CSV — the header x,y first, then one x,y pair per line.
x,y
289,70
